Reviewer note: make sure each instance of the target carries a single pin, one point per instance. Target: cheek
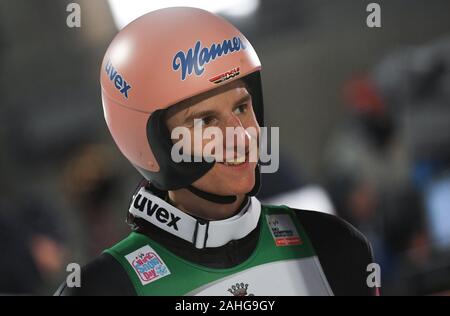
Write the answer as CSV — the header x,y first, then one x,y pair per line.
x,y
197,144
252,118
254,131
249,122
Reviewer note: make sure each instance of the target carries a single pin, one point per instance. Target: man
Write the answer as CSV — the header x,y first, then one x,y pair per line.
x,y
198,229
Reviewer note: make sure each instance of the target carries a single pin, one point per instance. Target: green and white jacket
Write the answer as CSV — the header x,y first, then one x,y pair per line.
x,y
284,261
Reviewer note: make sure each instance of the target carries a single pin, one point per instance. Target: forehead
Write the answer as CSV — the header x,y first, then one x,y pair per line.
x,y
210,100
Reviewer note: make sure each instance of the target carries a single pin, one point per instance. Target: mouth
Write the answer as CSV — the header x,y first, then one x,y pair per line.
x,y
237,162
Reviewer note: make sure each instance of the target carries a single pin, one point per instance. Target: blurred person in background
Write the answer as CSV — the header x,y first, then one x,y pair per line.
x,y
388,163
416,82
90,182
31,261
367,168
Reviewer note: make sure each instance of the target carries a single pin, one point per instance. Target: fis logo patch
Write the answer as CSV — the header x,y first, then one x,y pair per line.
x,y
283,230
147,265
117,79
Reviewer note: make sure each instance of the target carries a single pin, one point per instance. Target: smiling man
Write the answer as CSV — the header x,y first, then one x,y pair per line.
x,y
197,227
227,109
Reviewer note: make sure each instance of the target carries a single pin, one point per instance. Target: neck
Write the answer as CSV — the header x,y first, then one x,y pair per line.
x,y
194,205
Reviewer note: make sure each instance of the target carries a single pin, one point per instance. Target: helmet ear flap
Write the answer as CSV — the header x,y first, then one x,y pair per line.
x,y
172,175
254,86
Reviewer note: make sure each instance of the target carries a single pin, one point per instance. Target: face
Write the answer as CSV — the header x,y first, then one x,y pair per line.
x,y
227,107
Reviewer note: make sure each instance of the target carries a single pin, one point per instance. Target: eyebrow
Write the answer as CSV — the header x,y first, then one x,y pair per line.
x,y
243,99
200,114
206,113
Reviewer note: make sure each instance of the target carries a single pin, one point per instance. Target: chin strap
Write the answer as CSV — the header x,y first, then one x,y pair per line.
x,y
226,199
215,198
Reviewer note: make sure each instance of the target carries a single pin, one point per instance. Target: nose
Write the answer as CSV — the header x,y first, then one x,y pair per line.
x,y
236,137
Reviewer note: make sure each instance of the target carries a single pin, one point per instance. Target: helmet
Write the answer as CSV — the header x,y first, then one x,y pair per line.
x,y
160,59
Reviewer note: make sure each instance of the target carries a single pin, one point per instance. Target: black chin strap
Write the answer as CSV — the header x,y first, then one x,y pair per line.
x,y
226,199
215,198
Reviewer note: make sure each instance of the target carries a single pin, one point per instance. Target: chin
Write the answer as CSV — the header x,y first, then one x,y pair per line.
x,y
242,188
226,184
234,189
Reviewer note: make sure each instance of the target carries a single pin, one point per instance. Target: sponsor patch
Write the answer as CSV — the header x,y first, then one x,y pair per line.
x,y
153,210
283,230
147,264
117,79
195,59
225,76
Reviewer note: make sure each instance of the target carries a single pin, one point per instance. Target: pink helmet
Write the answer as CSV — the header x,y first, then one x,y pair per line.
x,y
158,60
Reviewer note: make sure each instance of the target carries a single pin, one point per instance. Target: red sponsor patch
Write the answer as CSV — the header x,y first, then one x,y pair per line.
x,y
225,76
288,241
283,230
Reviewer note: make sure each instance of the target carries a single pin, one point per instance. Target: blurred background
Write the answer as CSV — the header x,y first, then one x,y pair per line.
x,y
364,116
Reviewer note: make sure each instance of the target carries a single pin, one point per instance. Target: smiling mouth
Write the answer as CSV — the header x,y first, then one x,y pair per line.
x,y
237,161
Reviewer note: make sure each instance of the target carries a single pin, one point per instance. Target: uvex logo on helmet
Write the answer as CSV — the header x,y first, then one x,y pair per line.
x,y
119,82
197,57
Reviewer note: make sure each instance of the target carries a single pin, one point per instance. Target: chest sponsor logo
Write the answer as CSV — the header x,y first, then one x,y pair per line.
x,y
147,265
283,230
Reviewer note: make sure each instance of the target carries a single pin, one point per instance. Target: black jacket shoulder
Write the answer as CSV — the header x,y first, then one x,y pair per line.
x,y
343,252
102,276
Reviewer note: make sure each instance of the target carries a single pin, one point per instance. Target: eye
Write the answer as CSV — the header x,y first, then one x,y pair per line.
x,y
203,121
207,120
240,109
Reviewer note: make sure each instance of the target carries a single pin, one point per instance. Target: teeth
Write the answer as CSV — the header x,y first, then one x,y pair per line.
x,y
236,161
